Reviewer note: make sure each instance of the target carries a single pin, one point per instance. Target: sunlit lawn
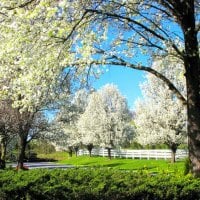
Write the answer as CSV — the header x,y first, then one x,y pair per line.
x,y
118,163
127,164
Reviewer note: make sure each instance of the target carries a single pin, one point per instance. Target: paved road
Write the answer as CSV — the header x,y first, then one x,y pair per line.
x,y
47,165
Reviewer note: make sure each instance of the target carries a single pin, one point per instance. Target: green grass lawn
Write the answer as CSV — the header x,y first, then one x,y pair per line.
x,y
126,164
118,163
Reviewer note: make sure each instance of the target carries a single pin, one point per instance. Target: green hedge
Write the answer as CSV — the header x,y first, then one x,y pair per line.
x,y
98,184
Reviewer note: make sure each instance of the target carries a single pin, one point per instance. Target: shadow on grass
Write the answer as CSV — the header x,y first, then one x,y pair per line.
x,y
102,165
89,163
112,165
146,168
41,160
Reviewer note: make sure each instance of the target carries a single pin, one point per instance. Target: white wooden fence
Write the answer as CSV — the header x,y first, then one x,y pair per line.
x,y
137,154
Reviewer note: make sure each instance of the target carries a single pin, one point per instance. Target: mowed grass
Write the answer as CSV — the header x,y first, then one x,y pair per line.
x,y
126,164
117,163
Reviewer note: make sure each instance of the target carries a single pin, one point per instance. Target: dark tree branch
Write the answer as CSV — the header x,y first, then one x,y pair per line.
x,y
157,74
75,26
21,5
159,9
144,45
120,62
128,20
113,15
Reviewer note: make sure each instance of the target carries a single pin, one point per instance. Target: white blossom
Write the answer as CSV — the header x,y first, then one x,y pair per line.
x,y
160,116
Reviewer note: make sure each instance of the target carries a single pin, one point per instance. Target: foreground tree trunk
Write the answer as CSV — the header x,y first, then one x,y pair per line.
x,y
193,124
192,67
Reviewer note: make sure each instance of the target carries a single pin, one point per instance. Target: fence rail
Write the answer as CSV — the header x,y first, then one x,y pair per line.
x,y
137,154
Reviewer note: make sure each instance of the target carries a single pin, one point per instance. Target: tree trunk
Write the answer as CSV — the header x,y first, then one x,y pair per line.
x,y
22,149
76,148
90,152
70,151
173,148
192,67
109,153
3,155
89,148
193,126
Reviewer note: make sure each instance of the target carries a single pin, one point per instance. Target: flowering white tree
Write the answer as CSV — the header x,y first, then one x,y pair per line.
x,y
117,116
160,116
66,134
8,129
92,122
104,121
29,69
33,72
63,137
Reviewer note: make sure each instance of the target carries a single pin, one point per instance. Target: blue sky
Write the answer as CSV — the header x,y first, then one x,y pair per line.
x,y
126,79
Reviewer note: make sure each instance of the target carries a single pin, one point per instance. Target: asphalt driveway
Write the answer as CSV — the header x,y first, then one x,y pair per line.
x,y
46,165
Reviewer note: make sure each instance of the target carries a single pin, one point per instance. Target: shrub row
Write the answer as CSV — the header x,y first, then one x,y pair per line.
x,y
98,184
